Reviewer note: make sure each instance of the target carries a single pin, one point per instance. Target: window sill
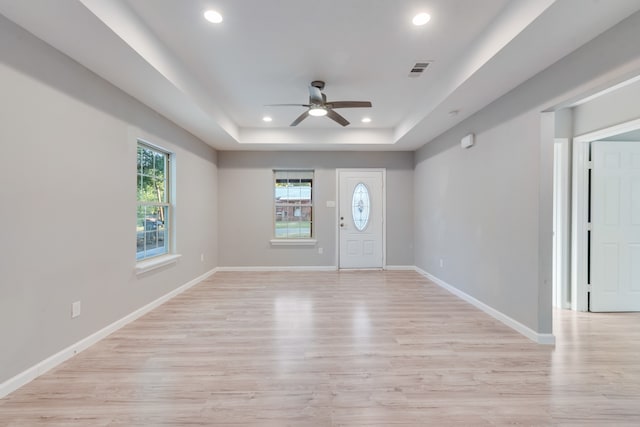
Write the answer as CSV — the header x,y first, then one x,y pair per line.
x,y
293,242
153,263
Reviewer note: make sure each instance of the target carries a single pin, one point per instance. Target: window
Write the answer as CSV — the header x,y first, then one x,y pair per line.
x,y
293,204
152,228
360,206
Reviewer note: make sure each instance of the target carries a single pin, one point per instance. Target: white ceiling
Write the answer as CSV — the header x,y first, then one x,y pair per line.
x,y
215,80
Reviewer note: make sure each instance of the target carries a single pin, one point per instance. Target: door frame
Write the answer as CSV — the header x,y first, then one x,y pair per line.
x,y
561,224
384,211
580,214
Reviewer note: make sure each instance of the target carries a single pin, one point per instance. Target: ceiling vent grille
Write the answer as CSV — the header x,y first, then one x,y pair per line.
x,y
418,68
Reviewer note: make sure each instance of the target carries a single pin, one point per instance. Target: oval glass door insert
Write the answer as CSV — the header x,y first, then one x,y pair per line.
x,y
360,206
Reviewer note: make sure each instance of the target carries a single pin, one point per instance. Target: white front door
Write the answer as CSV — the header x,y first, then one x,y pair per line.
x,y
615,223
360,218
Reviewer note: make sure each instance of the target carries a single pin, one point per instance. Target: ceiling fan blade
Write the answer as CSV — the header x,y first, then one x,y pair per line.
x,y
349,104
315,96
300,118
287,105
337,117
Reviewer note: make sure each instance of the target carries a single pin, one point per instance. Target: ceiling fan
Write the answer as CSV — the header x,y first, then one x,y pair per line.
x,y
318,105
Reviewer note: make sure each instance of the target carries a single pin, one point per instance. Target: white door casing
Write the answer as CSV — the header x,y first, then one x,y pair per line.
x,y
615,229
361,236
561,224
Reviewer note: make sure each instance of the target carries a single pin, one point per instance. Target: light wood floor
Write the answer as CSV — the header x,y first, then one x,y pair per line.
x,y
338,349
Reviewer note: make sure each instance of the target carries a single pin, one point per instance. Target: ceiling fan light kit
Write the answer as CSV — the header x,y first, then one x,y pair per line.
x,y
318,111
318,105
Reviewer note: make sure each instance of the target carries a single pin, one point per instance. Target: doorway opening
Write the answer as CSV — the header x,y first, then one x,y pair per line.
x,y
582,251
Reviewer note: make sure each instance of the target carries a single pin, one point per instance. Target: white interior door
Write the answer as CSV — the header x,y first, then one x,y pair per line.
x,y
360,218
615,219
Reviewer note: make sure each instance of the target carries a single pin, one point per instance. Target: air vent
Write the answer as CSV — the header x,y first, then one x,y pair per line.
x,y
418,68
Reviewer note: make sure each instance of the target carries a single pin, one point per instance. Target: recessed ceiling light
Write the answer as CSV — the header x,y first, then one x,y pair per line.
x,y
266,119
213,16
421,19
366,120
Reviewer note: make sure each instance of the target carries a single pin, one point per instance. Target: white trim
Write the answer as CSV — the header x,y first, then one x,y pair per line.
x,y
337,223
293,242
547,339
51,362
152,146
281,268
562,224
316,268
579,221
400,267
609,131
150,264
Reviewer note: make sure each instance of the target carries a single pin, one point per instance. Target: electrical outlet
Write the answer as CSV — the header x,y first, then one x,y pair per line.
x,y
201,257
441,263
320,251
75,309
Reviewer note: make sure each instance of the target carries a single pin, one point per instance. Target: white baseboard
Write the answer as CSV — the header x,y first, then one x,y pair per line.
x,y
400,268
314,268
547,339
282,268
51,362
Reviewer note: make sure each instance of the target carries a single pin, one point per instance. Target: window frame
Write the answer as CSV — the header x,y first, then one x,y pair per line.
x,y
147,260
286,240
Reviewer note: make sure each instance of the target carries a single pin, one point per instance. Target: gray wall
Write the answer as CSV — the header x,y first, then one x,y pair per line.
x,y
69,202
486,212
245,189
477,210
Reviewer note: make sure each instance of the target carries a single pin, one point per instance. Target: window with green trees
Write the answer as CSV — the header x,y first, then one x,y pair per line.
x,y
152,228
293,204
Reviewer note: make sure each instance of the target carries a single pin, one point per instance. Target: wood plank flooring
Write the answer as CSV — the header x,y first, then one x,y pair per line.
x,y
338,349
